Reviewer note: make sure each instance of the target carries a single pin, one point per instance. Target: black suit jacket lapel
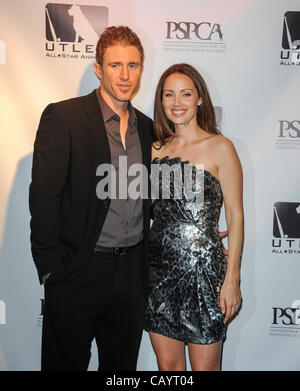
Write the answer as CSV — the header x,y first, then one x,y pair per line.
x,y
143,140
96,128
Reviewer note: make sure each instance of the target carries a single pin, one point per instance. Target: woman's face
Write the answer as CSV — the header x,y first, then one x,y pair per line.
x,y
180,99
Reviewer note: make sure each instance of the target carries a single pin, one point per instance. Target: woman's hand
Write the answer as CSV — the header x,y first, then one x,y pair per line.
x,y
230,297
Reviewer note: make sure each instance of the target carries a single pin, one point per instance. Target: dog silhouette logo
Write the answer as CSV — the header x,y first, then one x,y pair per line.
x,y
291,31
291,34
75,23
286,220
81,25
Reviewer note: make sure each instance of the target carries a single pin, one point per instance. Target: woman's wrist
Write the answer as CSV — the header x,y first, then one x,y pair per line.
x,y
233,274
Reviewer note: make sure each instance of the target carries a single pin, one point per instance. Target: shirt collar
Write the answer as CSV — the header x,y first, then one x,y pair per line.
x,y
108,114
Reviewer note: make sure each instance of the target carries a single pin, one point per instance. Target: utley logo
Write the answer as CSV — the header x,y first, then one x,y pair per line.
x,y
286,228
290,53
72,31
41,315
194,36
2,53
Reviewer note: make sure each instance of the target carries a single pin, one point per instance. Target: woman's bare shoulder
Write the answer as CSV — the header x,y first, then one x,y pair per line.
x,y
219,139
221,143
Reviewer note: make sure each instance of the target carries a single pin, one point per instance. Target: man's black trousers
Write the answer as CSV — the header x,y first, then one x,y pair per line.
x,y
105,302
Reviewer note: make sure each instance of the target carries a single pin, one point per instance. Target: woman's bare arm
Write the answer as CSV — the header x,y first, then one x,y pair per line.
x,y
231,179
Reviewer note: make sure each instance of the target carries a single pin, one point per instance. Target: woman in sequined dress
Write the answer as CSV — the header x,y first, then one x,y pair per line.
x,y
194,291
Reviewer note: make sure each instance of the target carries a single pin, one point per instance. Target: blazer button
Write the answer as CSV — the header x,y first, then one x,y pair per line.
x,y
105,204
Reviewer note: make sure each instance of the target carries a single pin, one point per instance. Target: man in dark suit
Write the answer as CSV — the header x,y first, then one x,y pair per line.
x,y
90,251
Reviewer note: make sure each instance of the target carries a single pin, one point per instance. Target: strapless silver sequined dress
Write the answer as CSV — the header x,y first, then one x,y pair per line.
x,y
187,264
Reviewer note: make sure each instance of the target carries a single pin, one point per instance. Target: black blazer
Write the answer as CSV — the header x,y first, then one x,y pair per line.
x,y
66,214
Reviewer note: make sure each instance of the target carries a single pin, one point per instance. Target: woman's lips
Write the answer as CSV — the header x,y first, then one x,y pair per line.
x,y
178,113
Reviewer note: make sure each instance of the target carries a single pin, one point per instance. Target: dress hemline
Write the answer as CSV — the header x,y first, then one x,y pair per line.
x,y
186,341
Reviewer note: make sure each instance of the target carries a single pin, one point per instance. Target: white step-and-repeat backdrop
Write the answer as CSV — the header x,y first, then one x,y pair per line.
x,y
249,53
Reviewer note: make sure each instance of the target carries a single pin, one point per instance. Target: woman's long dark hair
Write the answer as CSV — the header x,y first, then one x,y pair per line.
x,y
206,117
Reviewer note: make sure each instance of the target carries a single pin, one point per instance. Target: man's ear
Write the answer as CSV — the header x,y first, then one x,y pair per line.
x,y
98,70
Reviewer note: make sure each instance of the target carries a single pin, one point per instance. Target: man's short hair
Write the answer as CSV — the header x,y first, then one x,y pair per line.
x,y
121,35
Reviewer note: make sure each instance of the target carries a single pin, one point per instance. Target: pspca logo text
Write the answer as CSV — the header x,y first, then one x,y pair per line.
x,y
2,53
286,228
72,30
288,134
194,36
286,320
290,52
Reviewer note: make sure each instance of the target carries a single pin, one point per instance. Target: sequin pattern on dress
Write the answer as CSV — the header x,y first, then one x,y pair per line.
x,y
187,264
